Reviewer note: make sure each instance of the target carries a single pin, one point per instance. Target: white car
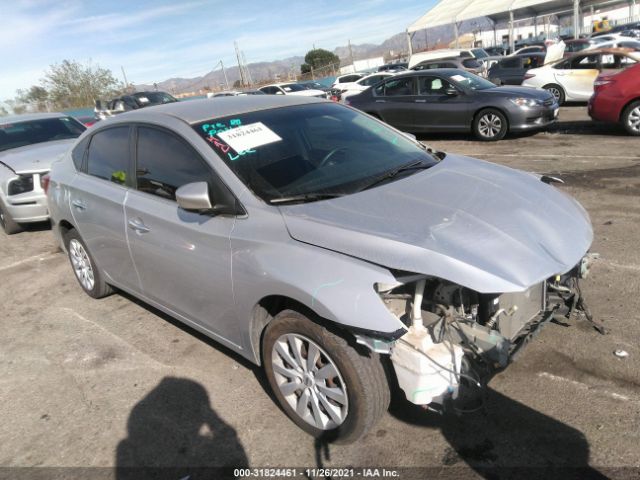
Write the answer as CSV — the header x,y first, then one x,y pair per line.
x,y
621,42
353,88
347,78
420,57
291,89
571,79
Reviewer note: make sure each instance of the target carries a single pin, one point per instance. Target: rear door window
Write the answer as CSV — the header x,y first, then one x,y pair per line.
x,y
396,87
108,156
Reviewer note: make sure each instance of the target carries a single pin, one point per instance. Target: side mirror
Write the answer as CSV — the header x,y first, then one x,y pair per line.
x,y
451,92
194,197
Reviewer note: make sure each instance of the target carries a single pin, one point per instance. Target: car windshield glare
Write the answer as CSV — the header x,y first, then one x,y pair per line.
x,y
309,149
470,81
20,134
292,87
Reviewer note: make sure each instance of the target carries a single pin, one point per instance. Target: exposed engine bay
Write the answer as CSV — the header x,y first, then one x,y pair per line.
x,y
456,335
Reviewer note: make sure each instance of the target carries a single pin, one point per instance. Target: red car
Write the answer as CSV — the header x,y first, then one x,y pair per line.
x,y
616,98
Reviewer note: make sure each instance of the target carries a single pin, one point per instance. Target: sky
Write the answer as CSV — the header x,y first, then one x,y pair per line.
x,y
157,40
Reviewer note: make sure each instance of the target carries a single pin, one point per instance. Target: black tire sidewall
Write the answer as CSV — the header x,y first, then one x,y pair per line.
x,y
341,354
503,131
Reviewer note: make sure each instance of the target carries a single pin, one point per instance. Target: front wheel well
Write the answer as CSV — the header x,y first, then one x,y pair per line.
x,y
266,310
480,110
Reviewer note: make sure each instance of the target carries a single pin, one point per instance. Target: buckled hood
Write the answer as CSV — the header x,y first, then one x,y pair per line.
x,y
484,226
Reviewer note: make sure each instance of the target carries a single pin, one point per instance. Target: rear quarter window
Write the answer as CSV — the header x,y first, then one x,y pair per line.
x,y
78,152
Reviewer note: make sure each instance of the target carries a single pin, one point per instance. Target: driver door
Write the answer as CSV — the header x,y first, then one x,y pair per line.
x,y
183,258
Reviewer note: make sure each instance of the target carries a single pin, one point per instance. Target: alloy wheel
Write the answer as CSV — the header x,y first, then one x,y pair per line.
x,y
81,264
490,125
555,92
634,119
309,381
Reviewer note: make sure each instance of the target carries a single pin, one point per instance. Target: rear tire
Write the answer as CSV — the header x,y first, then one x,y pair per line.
x,y
84,267
490,125
9,226
630,118
341,393
557,91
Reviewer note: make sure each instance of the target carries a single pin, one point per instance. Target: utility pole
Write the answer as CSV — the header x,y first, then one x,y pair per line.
x,y
224,72
126,84
351,55
242,80
247,73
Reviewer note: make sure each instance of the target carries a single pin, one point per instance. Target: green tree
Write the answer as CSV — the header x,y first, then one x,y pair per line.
x,y
318,58
72,85
237,84
36,96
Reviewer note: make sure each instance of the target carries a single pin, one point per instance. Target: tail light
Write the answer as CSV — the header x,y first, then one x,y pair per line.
x,y
600,83
527,76
44,182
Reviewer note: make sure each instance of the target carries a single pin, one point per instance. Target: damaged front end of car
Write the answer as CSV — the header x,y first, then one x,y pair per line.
x,y
456,336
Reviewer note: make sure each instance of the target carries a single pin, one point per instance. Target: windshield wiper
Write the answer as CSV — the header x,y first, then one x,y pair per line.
x,y
304,197
417,165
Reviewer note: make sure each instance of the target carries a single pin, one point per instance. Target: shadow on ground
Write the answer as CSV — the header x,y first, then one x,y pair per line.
x,y
505,439
174,433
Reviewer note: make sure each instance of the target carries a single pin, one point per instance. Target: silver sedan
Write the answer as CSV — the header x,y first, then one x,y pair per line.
x,y
317,241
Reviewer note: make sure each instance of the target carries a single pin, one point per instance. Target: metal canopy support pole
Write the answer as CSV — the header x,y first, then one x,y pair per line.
x,y
409,43
535,26
455,32
632,10
512,43
576,18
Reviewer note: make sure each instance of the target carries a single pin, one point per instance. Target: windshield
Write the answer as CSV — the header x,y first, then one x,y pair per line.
x,y
154,98
19,134
309,149
470,81
292,87
479,53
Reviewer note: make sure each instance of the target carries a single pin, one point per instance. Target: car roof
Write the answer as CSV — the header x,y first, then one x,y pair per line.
x,y
29,117
194,111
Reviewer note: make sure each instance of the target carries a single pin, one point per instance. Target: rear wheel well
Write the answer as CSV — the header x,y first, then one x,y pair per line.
x,y
623,109
65,227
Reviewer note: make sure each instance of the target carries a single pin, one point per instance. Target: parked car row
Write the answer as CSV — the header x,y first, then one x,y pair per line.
x,y
218,195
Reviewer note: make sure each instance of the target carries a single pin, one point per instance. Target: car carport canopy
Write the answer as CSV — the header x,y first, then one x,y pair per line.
x,y
452,12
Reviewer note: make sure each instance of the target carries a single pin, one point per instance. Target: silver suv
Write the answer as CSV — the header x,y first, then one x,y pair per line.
x,y
310,238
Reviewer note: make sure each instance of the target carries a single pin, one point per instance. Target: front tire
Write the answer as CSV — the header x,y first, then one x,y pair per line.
x,y
9,226
327,387
490,125
631,118
84,267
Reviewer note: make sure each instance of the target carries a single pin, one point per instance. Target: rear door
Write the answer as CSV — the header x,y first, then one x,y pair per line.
x,y
395,102
436,110
97,197
183,258
577,75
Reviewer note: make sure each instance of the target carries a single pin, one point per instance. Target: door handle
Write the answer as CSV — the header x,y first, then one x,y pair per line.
x,y
381,101
138,226
79,204
420,101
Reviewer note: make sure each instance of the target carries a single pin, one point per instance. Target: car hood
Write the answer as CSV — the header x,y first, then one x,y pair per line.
x,y
484,226
35,158
515,91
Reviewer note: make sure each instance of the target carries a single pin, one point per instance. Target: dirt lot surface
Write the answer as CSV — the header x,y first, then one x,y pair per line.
x,y
112,382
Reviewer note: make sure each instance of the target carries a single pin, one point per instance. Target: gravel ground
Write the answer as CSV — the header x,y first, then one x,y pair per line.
x,y
112,382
